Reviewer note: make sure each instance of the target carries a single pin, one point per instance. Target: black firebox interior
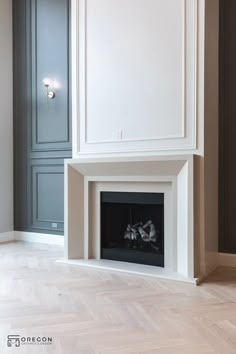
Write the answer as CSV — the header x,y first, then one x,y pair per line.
x,y
132,227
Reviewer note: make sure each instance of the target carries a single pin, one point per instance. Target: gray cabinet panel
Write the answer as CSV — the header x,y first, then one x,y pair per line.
x,y
50,59
47,197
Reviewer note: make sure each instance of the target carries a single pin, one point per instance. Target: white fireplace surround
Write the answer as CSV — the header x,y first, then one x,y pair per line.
x,y
143,109
85,179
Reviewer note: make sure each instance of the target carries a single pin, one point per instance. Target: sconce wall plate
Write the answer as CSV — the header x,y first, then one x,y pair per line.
x,y
49,94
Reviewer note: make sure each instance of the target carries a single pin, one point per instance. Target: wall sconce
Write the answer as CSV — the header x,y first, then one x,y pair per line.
x,y
49,94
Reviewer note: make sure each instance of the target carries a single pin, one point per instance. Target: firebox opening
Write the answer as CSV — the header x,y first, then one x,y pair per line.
x,y
132,227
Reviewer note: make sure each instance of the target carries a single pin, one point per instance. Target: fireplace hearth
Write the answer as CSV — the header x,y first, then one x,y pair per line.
x,y
132,227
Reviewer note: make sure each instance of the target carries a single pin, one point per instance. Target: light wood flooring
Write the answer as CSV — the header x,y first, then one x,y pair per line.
x,y
96,311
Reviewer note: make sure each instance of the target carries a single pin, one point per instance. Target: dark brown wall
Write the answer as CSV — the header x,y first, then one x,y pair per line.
x,y
227,127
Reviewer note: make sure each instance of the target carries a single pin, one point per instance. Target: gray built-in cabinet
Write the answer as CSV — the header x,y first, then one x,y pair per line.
x,y
42,130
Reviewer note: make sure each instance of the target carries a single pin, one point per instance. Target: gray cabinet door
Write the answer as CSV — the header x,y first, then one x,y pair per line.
x,y
47,197
227,134
50,128
42,127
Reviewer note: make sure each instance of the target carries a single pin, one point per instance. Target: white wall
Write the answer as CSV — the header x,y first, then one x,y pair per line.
x,y
6,118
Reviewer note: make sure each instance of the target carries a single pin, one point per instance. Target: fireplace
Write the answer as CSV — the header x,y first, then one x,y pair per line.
x,y
89,233
132,227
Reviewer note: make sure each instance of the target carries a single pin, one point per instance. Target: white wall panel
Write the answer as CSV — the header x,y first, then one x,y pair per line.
x,y
137,75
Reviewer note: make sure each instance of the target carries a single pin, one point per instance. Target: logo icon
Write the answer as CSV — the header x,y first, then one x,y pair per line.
x,y
13,340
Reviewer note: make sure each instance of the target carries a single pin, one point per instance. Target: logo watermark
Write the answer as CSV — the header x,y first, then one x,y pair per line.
x,y
17,340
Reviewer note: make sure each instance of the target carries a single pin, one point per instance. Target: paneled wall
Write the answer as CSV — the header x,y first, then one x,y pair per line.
x,y
42,127
145,84
137,76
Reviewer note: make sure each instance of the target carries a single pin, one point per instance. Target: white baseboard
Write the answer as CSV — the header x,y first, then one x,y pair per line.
x,y
227,259
39,238
7,236
32,237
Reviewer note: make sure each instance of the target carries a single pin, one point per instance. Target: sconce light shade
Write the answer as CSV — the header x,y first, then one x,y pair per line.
x,y
46,81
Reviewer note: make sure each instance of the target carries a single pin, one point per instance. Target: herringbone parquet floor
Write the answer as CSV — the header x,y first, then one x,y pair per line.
x,y
89,311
